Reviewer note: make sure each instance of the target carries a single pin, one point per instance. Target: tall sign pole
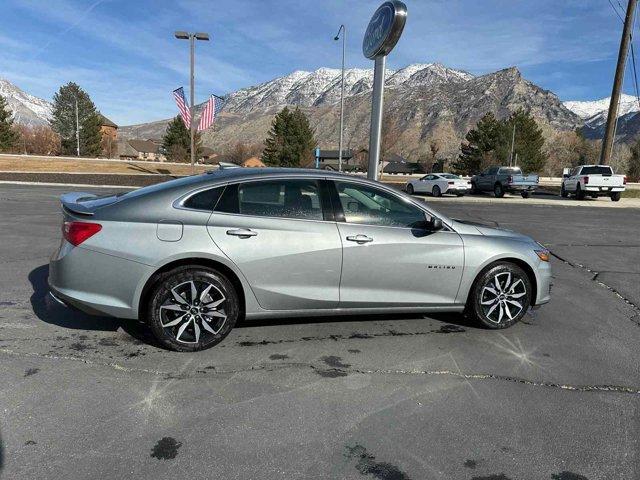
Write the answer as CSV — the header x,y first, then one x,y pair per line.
x,y
383,32
612,116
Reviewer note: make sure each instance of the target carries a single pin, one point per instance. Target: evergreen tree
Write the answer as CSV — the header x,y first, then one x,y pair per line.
x,y
529,142
9,135
633,168
64,121
177,141
290,141
481,144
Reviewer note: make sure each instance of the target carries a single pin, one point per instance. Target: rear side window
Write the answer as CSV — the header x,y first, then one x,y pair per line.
x,y
205,200
298,199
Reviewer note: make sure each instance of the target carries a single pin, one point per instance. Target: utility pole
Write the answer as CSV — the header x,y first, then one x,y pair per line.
x,y
77,130
344,40
192,37
513,141
609,134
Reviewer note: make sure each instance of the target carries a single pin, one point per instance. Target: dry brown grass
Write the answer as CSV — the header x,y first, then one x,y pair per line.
x,y
58,165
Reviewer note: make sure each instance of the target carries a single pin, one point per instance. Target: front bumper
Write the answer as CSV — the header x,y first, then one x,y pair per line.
x,y
96,283
543,278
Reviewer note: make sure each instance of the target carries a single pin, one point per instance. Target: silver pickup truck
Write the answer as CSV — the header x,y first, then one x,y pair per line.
x,y
593,180
504,179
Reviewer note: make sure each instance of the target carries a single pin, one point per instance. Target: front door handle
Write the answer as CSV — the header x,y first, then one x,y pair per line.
x,y
359,239
242,232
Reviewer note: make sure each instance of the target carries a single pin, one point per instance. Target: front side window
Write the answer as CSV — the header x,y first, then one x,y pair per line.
x,y
370,206
299,199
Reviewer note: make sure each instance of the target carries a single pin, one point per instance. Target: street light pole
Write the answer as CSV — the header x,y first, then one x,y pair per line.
x,y
192,37
342,29
77,130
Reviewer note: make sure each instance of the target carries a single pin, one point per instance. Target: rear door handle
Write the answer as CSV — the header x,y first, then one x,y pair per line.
x,y
360,239
242,233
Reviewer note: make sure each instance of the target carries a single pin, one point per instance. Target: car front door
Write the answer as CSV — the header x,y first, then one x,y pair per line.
x,y
387,261
278,234
486,179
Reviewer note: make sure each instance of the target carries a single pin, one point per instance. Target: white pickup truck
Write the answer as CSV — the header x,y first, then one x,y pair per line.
x,y
593,180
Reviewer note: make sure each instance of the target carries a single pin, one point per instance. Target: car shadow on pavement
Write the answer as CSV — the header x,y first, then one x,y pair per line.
x,y
50,311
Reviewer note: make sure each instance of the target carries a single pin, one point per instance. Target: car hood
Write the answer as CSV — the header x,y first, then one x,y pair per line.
x,y
469,227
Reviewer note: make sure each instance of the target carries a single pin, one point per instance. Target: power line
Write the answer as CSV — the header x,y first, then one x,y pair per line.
x,y
616,10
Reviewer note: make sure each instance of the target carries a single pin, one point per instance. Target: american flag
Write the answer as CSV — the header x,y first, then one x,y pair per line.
x,y
178,94
211,109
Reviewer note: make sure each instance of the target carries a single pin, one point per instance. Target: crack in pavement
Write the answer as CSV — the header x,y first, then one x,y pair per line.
x,y
635,318
340,372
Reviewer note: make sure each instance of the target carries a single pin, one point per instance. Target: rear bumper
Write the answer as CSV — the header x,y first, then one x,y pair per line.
x,y
457,190
603,190
96,283
520,188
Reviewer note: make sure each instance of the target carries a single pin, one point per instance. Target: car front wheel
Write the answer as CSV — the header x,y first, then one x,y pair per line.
x,y
501,296
410,189
192,308
436,192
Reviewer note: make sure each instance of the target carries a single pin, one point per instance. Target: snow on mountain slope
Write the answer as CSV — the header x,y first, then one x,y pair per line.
x,y
27,109
323,86
594,112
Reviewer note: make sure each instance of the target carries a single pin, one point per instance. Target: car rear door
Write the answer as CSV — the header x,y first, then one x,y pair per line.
x,y
281,235
386,262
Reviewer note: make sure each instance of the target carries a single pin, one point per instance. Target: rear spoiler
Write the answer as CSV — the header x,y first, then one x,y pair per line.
x,y
70,202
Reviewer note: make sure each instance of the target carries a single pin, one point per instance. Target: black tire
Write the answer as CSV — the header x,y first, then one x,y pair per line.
x,y
410,189
474,188
436,192
563,192
615,196
182,336
579,193
501,313
525,194
498,191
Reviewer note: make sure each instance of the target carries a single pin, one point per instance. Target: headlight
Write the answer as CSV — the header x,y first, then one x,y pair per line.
x,y
543,254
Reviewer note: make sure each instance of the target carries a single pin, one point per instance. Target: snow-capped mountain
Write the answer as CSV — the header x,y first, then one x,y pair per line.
x,y
594,113
322,87
27,109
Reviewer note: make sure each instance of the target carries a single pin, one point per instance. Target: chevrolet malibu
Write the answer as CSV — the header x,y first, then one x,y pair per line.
x,y
195,255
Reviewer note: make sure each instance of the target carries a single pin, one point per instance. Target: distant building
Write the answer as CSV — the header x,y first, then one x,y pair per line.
x,y
396,164
109,136
141,150
207,155
253,162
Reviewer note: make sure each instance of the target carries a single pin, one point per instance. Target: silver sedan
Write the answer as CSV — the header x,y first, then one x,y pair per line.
x,y
194,256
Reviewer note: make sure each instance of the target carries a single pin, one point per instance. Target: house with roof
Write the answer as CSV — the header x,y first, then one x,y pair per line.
x,y
109,136
141,150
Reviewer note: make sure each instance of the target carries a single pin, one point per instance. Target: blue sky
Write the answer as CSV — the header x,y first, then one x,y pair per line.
x,y
124,54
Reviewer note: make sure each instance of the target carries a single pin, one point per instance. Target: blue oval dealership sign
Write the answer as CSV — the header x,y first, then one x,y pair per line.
x,y
384,29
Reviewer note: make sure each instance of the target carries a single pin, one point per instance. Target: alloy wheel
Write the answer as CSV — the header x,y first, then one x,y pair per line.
x,y
193,310
502,297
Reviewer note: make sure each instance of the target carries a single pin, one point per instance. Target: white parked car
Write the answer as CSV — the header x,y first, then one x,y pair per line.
x,y
438,183
593,180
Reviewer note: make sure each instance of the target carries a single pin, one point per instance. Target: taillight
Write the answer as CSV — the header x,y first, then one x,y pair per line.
x,y
624,180
77,232
451,183
586,180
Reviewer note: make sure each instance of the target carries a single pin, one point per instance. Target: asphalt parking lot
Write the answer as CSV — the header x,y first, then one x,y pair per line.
x,y
405,397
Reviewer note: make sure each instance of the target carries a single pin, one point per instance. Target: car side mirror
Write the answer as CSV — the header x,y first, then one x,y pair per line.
x,y
428,225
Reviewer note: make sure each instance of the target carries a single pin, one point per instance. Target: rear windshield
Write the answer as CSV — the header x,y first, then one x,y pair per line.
x,y
511,170
449,176
596,170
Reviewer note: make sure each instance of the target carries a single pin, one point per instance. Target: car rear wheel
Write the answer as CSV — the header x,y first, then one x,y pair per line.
x,y
410,189
579,193
501,295
192,308
498,191
615,196
436,192
525,194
